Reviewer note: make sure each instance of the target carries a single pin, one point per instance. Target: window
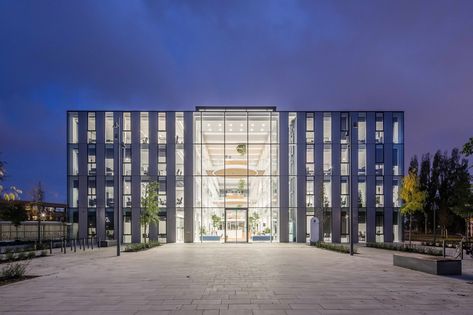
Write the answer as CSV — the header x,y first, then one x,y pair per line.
x,y
379,155
398,136
73,127
92,192
310,128
379,128
127,161
108,127
144,163
379,191
144,128
126,192
396,199
161,128
91,160
327,159
109,192
73,192
344,160
74,161
91,133
361,127
327,127
361,191
109,160
361,159
397,159
344,131
310,193
310,160
327,191
127,128
344,200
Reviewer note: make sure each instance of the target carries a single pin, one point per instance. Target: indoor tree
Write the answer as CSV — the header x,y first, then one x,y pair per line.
x,y
413,198
150,207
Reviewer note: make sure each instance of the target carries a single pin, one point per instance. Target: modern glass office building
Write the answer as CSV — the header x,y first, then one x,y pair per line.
x,y
236,174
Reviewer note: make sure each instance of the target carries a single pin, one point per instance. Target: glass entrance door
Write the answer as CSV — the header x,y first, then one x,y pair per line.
x,y
236,225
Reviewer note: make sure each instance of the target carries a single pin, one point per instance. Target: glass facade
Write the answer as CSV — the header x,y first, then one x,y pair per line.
x,y
236,167
233,175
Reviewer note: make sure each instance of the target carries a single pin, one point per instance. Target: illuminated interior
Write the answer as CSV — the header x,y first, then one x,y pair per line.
x,y
236,165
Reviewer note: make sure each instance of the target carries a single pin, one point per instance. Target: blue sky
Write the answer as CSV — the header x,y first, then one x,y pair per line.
x,y
321,55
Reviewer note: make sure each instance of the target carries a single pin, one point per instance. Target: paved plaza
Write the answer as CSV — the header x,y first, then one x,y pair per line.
x,y
255,279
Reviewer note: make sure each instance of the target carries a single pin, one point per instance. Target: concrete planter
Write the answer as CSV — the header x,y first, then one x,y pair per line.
x,y
432,265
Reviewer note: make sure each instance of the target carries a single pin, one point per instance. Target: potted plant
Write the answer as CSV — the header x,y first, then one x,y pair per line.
x,y
241,148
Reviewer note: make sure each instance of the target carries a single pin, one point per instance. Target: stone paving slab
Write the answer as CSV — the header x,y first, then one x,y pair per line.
x,y
256,279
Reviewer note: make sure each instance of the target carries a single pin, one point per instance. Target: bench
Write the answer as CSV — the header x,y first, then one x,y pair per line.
x,y
261,238
108,243
433,265
213,238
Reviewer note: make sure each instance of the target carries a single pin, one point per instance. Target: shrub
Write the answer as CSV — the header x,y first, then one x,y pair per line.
x,y
406,248
30,255
141,246
14,270
9,256
21,256
44,253
334,247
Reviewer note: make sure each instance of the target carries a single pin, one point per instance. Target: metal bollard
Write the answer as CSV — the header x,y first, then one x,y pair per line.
x,y
98,242
70,241
75,248
61,246
461,250
443,248
51,247
91,243
83,244
65,245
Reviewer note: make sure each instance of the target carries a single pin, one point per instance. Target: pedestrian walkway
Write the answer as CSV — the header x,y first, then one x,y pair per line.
x,y
252,279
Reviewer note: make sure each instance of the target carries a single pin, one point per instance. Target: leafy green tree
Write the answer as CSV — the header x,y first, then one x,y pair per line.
x,y
14,212
216,221
150,207
468,147
253,221
413,198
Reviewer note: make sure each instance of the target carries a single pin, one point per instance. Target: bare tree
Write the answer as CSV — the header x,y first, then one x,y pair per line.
x,y
38,199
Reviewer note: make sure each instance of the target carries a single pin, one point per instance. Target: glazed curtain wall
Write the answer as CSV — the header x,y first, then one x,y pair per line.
x,y
236,167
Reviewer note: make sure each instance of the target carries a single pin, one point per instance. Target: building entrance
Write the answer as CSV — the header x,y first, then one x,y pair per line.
x,y
236,225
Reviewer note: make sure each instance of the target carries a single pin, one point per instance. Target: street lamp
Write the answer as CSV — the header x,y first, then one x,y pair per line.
x,y
436,201
118,140
350,181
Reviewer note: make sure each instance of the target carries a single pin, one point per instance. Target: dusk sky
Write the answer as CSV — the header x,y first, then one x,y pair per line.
x,y
415,56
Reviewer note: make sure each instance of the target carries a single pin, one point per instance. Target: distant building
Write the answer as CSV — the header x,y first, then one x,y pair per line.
x,y
53,219
49,211
237,174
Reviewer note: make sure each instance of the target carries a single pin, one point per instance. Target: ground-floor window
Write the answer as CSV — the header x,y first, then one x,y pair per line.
x,y
361,225
327,225
379,228
126,225
236,224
